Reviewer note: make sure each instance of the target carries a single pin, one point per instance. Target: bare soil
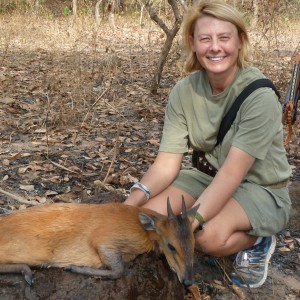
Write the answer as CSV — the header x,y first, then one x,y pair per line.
x,y
78,125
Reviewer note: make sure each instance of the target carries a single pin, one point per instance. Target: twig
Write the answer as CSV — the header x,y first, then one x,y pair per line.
x,y
116,148
62,167
101,184
46,124
18,198
98,99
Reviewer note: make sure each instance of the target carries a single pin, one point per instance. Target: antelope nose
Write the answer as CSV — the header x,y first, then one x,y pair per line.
x,y
188,282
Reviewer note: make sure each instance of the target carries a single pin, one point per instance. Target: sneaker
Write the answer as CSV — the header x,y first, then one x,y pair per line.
x,y
251,265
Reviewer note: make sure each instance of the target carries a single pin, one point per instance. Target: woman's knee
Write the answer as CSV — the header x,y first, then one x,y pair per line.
x,y
210,242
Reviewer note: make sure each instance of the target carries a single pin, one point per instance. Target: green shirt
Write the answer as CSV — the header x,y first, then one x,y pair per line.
x,y
193,116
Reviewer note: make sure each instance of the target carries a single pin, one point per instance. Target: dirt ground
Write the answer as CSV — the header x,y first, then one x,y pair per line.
x,y
77,124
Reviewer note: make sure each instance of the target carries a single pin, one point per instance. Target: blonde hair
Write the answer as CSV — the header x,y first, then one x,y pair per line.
x,y
219,10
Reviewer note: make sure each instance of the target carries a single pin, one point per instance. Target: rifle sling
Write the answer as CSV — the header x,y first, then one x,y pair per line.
x,y
198,158
231,114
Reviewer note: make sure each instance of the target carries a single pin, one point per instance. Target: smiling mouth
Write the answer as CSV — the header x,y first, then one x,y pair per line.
x,y
216,59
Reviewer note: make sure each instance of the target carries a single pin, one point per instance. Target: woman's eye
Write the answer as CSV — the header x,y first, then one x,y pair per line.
x,y
204,40
224,38
171,248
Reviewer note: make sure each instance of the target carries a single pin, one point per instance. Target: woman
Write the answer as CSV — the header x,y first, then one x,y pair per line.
x,y
247,202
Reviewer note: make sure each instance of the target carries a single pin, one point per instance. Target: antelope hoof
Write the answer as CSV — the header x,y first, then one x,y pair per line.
x,y
188,282
28,279
26,271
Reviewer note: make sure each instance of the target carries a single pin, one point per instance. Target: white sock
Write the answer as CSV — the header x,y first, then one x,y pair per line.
x,y
259,239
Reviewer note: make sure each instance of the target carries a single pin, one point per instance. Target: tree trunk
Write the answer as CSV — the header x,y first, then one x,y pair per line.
x,y
141,15
111,14
74,8
97,12
255,13
170,35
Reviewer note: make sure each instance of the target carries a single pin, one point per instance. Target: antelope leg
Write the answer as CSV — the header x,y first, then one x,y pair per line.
x,y
18,269
110,259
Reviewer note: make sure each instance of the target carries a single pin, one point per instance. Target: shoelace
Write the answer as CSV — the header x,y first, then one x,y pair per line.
x,y
245,259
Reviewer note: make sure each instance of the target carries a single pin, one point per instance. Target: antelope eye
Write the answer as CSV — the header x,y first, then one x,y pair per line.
x,y
171,247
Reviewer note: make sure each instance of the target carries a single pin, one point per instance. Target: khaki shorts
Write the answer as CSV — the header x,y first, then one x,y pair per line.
x,y
267,209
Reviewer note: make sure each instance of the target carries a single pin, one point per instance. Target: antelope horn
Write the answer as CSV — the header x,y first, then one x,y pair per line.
x,y
170,211
183,210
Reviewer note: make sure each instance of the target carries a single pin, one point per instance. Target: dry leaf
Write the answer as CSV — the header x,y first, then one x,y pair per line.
x,y
7,100
288,240
284,249
40,130
298,240
40,199
55,179
132,178
124,180
100,139
238,291
5,162
16,156
50,193
68,197
34,167
22,170
25,154
219,286
195,291
22,207
28,188
90,166
291,246
288,234
154,142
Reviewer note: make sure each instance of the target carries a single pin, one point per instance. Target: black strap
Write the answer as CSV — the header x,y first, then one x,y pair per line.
x,y
231,114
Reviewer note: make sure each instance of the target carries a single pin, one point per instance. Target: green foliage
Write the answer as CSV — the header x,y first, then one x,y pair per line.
x,y
67,11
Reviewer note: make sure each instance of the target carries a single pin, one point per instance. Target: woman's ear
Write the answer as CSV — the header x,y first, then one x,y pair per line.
x,y
241,40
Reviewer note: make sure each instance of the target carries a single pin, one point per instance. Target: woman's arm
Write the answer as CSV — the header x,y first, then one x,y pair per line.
x,y
225,183
158,177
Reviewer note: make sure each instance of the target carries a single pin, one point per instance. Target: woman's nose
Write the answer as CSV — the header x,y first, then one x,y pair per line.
x,y
215,45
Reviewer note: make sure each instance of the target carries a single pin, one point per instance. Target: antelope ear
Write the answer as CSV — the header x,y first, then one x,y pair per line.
x,y
192,212
147,221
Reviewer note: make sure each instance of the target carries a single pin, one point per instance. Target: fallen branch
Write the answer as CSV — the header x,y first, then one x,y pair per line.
x,y
63,167
18,198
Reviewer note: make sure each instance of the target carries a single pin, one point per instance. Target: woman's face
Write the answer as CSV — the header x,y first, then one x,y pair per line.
x,y
216,44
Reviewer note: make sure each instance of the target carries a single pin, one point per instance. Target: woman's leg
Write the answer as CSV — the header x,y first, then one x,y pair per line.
x,y
225,234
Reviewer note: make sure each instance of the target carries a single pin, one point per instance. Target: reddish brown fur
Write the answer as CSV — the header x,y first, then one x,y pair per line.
x,y
90,235
41,235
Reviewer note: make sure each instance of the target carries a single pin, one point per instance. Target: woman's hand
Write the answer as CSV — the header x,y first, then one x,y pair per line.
x,y
158,177
227,180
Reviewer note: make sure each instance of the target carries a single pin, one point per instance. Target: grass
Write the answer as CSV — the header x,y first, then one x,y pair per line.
x,y
73,62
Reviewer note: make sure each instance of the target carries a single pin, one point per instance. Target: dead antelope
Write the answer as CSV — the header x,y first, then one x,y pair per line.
x,y
82,238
